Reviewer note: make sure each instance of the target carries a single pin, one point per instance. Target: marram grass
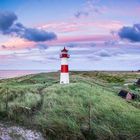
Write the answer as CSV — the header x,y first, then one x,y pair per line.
x,y
80,110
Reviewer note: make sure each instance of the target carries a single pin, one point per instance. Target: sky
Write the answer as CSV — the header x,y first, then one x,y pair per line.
x,y
99,34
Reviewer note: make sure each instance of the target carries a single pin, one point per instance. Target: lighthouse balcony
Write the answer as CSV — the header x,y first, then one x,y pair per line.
x,y
64,56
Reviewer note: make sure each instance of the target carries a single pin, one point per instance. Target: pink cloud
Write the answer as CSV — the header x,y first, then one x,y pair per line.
x,y
63,27
60,26
16,43
86,38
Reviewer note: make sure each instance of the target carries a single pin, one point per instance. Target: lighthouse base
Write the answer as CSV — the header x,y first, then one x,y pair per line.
x,y
64,78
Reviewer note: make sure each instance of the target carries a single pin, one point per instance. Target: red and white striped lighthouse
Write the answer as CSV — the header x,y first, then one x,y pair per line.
x,y
64,75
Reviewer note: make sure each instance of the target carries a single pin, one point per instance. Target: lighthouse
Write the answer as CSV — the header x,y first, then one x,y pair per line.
x,y
64,75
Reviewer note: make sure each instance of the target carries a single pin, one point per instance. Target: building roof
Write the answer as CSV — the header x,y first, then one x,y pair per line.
x,y
138,82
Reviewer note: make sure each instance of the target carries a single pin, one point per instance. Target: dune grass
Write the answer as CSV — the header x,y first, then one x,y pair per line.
x,y
85,109
66,111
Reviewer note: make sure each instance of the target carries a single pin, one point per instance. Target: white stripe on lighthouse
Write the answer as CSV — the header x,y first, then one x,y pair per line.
x,y
64,78
64,61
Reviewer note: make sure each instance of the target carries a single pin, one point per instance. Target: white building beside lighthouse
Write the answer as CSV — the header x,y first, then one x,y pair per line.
x,y
64,75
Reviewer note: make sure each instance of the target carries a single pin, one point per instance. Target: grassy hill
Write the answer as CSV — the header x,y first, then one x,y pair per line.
x,y
88,108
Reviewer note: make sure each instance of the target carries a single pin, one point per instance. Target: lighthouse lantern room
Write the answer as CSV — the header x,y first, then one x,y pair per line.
x,y
64,75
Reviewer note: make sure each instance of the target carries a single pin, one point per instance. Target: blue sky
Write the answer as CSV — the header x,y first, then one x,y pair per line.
x,y
104,34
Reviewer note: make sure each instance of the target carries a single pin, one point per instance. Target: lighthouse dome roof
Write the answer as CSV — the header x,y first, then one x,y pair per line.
x,y
64,50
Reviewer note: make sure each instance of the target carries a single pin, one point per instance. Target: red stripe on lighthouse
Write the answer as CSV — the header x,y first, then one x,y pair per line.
x,y
64,68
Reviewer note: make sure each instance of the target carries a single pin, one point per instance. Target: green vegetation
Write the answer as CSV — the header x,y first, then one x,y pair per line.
x,y
88,108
